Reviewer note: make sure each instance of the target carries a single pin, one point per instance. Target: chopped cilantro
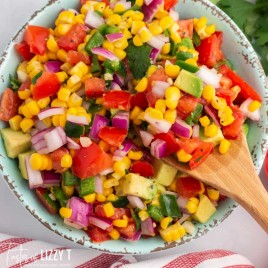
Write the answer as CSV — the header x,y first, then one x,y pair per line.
x,y
14,83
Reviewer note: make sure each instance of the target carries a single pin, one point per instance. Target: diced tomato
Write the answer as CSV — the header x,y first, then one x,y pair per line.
x,y
225,82
118,212
143,168
39,193
210,50
113,135
233,130
9,104
73,38
186,105
73,57
56,157
168,4
169,138
201,154
246,90
139,100
188,186
186,28
190,145
46,85
24,50
96,234
128,231
25,85
90,161
36,38
83,2
94,87
158,75
228,94
117,99
151,98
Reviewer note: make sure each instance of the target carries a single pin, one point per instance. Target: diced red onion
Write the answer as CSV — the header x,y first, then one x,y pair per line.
x,y
148,2
255,116
40,125
154,54
171,193
151,9
50,112
55,139
118,79
160,126
127,5
158,148
53,66
115,86
146,138
102,223
156,43
98,123
135,202
77,119
34,131
34,176
85,141
81,92
74,11
159,88
106,171
209,76
123,150
50,178
183,218
147,227
40,145
71,144
196,131
181,128
163,38
40,135
182,202
136,237
43,151
104,53
121,120
174,14
93,20
72,224
114,37
98,185
213,113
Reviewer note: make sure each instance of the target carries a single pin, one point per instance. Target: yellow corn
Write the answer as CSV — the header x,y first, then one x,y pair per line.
x,y
43,103
210,29
120,223
107,191
73,82
126,161
253,106
120,53
183,156
79,19
218,103
173,232
114,234
170,115
226,119
172,70
175,37
52,55
33,107
171,104
66,212
145,35
211,130
208,93
66,161
154,113
108,45
42,58
136,26
172,93
142,85
213,194
100,198
151,70
107,12
139,2
161,105
155,27
183,48
166,49
135,112
191,62
173,186
62,55
62,76
65,16
64,94
135,155
79,69
121,44
90,198
119,167
201,23
86,7
58,103
14,122
114,19
74,100
108,209
119,8
224,146
99,7
24,94
192,204
128,14
68,190
161,13
164,223
225,111
143,215
40,162
111,198
26,124
110,183
166,22
204,121
47,121
52,44
63,28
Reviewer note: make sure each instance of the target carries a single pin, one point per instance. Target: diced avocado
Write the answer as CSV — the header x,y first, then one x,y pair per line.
x,y
216,139
22,165
189,83
133,184
245,128
164,173
16,142
205,210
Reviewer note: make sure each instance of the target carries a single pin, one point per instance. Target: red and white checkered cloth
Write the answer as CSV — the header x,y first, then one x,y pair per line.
x,y
23,252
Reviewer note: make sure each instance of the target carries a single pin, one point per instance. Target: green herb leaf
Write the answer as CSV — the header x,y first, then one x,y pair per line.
x,y
14,83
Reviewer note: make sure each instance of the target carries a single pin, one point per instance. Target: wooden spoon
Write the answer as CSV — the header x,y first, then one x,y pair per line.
x,y
234,175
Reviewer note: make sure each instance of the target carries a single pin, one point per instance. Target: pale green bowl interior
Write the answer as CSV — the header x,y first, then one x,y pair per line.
x,y
237,49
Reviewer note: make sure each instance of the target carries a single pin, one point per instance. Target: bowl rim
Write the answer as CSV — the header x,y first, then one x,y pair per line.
x,y
232,205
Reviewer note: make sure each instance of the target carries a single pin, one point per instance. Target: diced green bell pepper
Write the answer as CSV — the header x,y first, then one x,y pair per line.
x,y
195,115
69,179
121,202
96,40
186,66
155,212
87,186
74,130
169,205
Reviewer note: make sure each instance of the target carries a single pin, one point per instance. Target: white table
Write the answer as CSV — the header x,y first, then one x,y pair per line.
x,y
237,233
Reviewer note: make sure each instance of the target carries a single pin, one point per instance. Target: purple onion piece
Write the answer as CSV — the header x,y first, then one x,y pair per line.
x,y
98,123
121,120
158,148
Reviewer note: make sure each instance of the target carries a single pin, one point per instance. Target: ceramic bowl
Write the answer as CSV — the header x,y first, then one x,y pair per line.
x,y
236,47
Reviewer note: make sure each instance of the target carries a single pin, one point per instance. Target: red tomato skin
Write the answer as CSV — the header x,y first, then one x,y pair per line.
x,y
190,145
188,186
90,161
73,38
36,37
9,104
210,50
186,28
128,231
113,135
143,168
228,94
186,105
117,99
96,234
158,75
169,138
74,57
39,193
24,50
94,87
139,100
56,159
118,212
168,4
201,154
46,85
25,85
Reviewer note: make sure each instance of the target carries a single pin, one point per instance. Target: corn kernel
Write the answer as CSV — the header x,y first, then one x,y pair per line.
x,y
171,104
63,28
154,113
165,49
26,124
90,198
111,198
172,93
213,194
52,55
254,105
183,156
100,198
211,130
136,26
173,232
80,69
58,103
33,107
126,161
64,94
120,223
210,29
175,37
43,103
120,53
161,105
143,215
14,122
204,121
114,19
107,12
62,76
172,70
166,22
155,28
74,100
201,23
66,161
135,155
108,209
65,212
99,7
170,115
192,205
151,70
164,223
218,103
47,122
52,44
68,190
135,113
224,146
227,119
62,55
142,85
36,161
110,183
65,16
145,35
114,234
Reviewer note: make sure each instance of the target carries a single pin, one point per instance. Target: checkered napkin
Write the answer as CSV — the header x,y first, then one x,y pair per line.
x,y
18,252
